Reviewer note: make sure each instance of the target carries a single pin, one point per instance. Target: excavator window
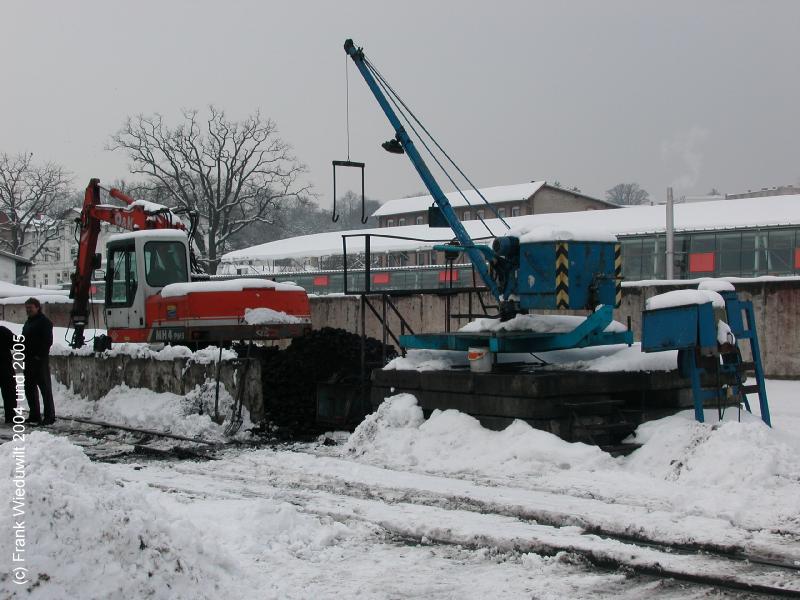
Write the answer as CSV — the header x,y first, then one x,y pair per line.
x,y
122,276
165,263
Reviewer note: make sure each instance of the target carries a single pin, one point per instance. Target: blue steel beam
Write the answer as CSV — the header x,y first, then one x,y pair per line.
x,y
357,54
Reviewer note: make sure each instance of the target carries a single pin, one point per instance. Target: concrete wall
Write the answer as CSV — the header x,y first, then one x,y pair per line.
x,y
94,377
776,305
57,312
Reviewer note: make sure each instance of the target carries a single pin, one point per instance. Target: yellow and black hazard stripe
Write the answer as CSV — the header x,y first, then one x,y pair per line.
x,y
562,275
618,274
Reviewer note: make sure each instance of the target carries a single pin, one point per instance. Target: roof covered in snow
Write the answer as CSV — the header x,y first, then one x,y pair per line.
x,y
695,216
502,193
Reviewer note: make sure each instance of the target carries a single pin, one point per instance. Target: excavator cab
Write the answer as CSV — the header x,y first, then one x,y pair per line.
x,y
139,265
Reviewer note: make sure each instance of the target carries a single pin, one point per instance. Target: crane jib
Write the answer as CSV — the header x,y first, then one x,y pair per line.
x,y
441,200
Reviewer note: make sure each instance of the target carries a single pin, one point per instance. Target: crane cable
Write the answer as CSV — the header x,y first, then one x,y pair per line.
x,y
393,94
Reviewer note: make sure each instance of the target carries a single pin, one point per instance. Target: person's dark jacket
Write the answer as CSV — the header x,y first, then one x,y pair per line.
x,y
6,345
38,332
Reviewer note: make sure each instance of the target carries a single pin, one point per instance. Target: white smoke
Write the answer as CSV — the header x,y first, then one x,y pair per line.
x,y
684,149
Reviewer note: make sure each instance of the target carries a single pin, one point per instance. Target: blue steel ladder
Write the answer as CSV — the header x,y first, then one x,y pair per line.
x,y
742,323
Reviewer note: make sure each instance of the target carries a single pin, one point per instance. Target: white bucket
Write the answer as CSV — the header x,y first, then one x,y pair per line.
x,y
480,360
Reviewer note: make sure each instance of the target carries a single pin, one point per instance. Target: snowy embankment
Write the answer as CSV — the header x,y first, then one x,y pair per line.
x,y
280,524
90,535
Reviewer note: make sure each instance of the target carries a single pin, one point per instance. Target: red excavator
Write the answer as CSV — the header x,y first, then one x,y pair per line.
x,y
150,295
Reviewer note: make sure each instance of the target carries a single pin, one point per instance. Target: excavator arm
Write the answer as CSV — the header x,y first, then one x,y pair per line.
x,y
134,216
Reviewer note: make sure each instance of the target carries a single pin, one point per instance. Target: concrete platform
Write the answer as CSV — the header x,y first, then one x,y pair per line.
x,y
575,405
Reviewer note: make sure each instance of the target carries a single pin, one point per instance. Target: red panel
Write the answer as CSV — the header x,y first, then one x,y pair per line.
x,y
797,258
701,262
445,276
380,278
322,280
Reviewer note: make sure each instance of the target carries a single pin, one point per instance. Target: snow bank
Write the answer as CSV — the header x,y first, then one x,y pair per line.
x,y
225,285
684,298
189,415
91,536
206,356
535,324
452,442
268,316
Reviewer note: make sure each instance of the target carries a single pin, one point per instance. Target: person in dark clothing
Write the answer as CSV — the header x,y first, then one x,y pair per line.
x,y
38,332
7,373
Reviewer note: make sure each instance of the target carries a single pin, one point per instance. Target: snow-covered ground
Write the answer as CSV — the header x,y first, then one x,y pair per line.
x,y
405,508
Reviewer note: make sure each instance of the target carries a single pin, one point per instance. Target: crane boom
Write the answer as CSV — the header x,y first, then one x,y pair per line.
x,y
474,253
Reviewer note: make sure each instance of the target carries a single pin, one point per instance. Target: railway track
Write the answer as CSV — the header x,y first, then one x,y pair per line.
x,y
417,508
425,517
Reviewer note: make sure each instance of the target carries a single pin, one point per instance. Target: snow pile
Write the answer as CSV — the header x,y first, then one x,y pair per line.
x,y
724,333
684,298
716,285
535,324
189,416
268,316
742,468
90,536
225,285
453,442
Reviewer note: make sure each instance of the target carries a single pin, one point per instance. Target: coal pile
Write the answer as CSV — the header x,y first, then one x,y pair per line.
x,y
290,376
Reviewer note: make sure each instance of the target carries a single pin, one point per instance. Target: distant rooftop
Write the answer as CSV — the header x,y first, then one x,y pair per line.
x,y
694,216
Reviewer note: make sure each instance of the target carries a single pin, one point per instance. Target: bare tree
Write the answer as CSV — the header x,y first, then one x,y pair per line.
x,y
32,198
627,194
230,174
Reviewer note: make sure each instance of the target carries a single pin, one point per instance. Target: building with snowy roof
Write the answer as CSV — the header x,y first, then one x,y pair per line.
x,y
738,238
536,197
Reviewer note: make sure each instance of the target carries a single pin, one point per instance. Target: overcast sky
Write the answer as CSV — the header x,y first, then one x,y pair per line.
x,y
690,94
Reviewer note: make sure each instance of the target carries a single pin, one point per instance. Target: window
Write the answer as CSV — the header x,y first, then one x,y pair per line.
x,y
479,214
701,253
467,216
390,222
45,279
729,254
401,221
632,259
515,211
780,250
165,263
123,277
501,212
420,220
58,254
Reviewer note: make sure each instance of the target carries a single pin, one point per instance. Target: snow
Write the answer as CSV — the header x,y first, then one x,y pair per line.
x,y
716,285
89,535
12,290
504,193
170,234
264,316
724,333
438,508
227,285
684,298
534,323
49,297
695,216
557,232
188,416
616,357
